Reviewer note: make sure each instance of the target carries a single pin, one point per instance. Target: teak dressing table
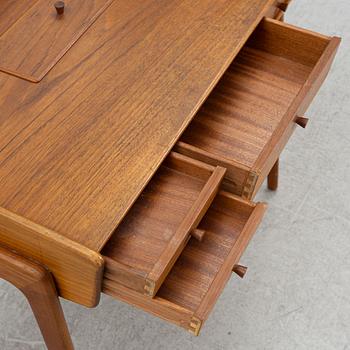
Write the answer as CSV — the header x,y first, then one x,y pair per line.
x,y
134,137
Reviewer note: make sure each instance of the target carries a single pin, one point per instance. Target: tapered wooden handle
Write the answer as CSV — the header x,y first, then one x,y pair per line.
x,y
198,234
302,121
59,6
240,270
283,4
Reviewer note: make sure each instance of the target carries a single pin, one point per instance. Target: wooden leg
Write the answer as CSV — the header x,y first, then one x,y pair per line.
x,y
37,284
279,15
283,5
272,179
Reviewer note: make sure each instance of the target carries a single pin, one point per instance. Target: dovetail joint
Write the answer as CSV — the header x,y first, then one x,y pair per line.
x,y
250,184
195,326
149,287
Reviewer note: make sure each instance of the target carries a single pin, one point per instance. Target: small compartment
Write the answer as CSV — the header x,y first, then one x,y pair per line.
x,y
249,117
150,238
197,279
33,37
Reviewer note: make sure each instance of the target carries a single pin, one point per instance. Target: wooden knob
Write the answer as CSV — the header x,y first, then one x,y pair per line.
x,y
240,270
302,121
198,234
283,5
59,6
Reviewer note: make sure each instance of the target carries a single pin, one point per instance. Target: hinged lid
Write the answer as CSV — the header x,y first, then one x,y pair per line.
x,y
34,37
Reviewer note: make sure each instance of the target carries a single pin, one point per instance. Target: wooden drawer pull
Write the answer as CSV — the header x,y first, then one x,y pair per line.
x,y
198,234
283,5
240,270
59,6
302,121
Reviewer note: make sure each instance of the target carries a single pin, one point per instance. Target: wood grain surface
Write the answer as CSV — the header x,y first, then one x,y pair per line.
x,y
77,270
240,116
39,38
198,277
249,117
38,286
78,148
147,243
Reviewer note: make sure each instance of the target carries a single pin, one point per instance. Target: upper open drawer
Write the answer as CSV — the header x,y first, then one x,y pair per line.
x,y
33,37
250,115
150,238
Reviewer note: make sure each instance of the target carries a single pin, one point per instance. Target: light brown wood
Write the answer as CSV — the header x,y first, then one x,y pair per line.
x,y
38,39
319,52
157,228
82,152
77,270
36,283
272,179
195,282
198,234
11,10
247,120
77,149
275,11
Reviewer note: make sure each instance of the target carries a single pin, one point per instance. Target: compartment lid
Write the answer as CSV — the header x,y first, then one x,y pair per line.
x,y
33,37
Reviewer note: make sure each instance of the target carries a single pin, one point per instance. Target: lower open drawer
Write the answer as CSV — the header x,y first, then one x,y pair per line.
x,y
199,275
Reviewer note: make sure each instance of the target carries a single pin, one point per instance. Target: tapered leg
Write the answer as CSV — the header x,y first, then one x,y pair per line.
x,y
37,284
283,5
272,178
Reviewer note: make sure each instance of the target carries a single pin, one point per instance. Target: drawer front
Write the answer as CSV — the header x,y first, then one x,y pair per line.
x,y
265,168
237,174
315,53
147,243
247,120
33,37
11,11
198,277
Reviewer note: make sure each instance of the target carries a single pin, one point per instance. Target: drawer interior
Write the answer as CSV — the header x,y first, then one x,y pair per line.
x,y
150,238
195,282
263,89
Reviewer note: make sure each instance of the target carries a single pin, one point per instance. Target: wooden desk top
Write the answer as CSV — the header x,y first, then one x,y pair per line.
x,y
77,148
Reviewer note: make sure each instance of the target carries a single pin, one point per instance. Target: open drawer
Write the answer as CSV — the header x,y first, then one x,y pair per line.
x,y
250,115
199,275
150,238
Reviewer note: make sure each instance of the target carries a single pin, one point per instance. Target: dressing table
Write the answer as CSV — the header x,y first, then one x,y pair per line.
x,y
134,137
